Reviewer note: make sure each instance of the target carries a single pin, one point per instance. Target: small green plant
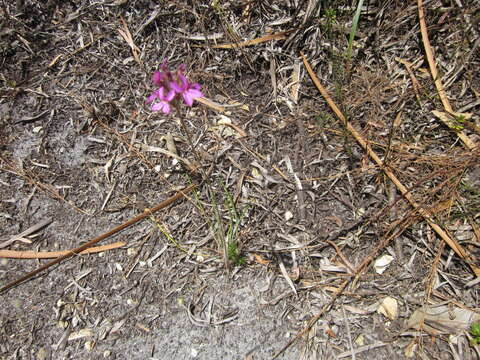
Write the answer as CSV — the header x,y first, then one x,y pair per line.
x,y
475,332
331,17
234,255
472,191
324,119
353,31
225,231
458,123
235,221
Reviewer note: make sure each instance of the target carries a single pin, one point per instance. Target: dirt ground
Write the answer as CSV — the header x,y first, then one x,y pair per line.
x,y
277,250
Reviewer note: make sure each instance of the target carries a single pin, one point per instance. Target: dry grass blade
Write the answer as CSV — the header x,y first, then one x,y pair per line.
x,y
416,85
90,243
434,72
31,230
459,250
12,254
431,60
211,104
289,281
448,119
295,81
433,272
188,163
127,36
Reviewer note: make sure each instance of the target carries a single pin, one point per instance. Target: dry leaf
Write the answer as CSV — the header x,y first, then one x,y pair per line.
x,y
360,340
256,174
259,259
80,334
410,349
442,319
288,215
381,264
389,308
330,333
127,36
225,128
296,82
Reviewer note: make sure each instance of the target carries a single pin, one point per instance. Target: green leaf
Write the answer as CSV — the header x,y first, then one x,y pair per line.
x,y
475,330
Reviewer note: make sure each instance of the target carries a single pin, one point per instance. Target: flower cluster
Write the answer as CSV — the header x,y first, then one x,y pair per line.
x,y
170,87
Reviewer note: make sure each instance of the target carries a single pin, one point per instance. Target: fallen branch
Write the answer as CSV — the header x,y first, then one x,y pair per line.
x,y
90,243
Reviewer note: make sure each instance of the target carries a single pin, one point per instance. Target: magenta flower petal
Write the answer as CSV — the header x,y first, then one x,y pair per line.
x,y
176,87
152,97
160,93
170,87
194,93
195,86
164,66
187,99
158,77
182,87
162,106
183,80
190,95
170,95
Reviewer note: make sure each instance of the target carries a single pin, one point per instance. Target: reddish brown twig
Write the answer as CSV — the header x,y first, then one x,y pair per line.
x,y
90,243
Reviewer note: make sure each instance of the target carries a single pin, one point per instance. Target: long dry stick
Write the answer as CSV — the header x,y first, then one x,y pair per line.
x,y
433,69
85,246
431,60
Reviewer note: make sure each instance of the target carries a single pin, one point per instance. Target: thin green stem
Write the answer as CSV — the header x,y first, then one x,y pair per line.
x,y
353,31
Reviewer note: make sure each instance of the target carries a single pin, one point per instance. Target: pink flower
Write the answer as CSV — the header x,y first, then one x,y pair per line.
x,y
164,103
170,87
189,91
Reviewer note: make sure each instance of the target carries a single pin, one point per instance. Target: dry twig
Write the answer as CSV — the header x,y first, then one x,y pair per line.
x,y
127,36
90,243
278,36
12,254
438,82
